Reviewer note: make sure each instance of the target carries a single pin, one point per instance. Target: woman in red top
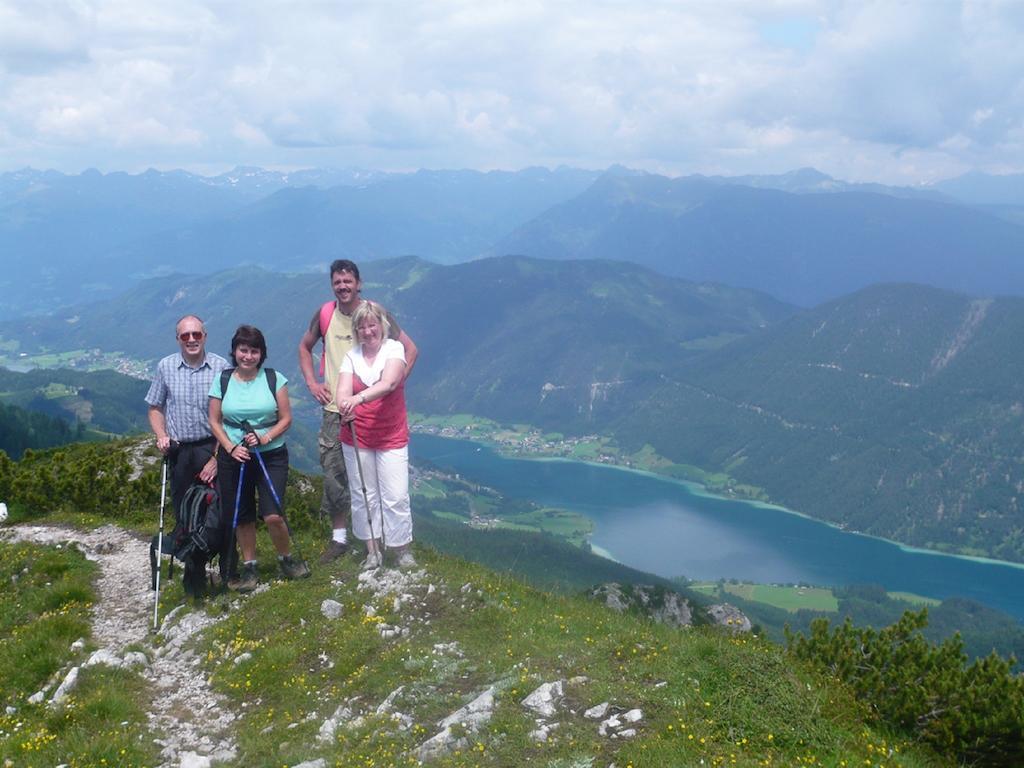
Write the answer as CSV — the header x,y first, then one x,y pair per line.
x,y
371,400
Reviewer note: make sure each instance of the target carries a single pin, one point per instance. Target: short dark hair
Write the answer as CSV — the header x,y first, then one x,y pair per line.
x,y
344,265
251,336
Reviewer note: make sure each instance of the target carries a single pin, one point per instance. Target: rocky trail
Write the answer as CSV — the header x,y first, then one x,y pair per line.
x,y
192,721
193,725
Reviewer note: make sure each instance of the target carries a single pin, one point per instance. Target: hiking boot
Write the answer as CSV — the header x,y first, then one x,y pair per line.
x,y
247,580
373,560
403,558
334,550
293,569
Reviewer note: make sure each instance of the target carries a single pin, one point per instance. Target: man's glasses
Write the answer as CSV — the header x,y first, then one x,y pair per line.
x,y
191,336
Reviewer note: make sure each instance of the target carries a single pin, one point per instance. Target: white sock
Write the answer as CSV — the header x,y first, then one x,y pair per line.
x,y
341,535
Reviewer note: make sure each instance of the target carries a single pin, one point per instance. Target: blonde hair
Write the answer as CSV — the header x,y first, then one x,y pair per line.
x,y
369,308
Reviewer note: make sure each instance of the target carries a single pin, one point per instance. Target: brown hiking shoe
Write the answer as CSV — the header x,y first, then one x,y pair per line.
x,y
294,569
334,550
246,581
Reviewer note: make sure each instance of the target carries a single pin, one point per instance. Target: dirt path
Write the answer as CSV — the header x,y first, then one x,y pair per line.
x,y
190,722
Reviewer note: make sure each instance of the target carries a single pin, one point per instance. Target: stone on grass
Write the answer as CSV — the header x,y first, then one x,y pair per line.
x,y
633,716
545,698
471,717
730,617
331,609
136,659
65,687
194,760
104,656
318,763
597,711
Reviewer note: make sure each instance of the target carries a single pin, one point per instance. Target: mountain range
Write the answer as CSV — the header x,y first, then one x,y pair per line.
x,y
801,236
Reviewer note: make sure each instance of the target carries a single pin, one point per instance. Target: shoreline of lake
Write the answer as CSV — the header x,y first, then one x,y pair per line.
x,y
702,490
674,528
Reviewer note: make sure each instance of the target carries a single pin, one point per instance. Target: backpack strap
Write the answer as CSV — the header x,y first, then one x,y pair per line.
x,y
225,379
326,313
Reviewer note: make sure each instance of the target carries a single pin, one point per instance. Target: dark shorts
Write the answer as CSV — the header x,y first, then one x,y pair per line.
x,y
185,461
253,479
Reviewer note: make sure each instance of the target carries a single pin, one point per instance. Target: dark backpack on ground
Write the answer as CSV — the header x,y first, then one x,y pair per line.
x,y
197,538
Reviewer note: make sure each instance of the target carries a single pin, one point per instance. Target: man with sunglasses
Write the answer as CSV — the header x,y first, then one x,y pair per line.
x,y
179,408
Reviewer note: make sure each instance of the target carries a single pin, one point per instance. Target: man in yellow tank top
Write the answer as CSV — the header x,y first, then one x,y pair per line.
x,y
333,325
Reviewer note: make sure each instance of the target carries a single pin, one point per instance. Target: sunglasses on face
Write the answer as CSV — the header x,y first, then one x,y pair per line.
x,y
191,336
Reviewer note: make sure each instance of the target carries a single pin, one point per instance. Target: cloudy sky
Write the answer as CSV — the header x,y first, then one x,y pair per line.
x,y
900,92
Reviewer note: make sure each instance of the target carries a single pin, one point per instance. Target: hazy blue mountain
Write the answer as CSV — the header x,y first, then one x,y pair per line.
x,y
444,216
53,227
810,180
803,248
255,183
111,230
980,188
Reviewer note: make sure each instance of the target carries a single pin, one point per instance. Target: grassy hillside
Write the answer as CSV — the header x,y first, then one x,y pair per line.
x,y
408,649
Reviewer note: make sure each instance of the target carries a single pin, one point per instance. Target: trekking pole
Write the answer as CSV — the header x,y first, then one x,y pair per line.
x,y
160,546
234,521
366,499
273,491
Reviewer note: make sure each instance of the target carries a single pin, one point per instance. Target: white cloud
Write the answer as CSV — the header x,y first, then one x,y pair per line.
x,y
862,90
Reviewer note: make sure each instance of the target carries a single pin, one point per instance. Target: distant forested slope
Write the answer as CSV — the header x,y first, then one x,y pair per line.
x,y
21,430
106,401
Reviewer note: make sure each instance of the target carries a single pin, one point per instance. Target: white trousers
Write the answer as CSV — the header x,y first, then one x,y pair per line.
x,y
385,474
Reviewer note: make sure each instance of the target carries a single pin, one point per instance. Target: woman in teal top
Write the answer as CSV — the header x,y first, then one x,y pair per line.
x,y
255,399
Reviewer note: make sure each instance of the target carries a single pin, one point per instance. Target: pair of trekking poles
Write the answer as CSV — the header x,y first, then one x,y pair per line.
x,y
229,552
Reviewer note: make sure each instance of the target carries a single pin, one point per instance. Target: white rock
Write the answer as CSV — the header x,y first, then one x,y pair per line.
x,y
193,760
242,658
628,733
104,656
597,711
10,710
440,744
331,609
544,698
633,716
65,687
474,714
78,645
330,726
612,723
136,659
318,763
3,512
389,701
37,697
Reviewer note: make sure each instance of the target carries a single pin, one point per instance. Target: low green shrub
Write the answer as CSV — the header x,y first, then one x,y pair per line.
x,y
975,712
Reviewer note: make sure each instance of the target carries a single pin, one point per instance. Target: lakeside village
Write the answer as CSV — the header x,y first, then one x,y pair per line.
x,y
529,442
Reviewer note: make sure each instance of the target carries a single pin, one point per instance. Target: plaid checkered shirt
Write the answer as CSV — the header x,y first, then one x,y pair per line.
x,y
182,393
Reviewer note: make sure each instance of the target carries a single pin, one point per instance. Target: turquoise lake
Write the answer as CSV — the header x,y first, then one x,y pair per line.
x,y
672,529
